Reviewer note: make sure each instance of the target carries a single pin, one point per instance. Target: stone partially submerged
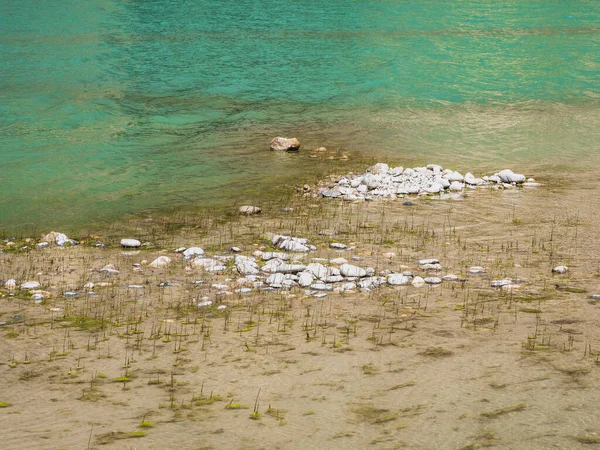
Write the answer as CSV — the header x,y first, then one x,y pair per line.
x,y
285,144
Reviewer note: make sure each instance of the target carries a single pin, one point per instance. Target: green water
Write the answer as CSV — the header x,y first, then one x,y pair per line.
x,y
110,107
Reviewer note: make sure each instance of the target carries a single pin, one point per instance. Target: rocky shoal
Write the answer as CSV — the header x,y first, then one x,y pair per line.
x,y
383,181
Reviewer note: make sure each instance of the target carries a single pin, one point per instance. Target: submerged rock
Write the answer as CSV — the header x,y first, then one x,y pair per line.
x,y
285,144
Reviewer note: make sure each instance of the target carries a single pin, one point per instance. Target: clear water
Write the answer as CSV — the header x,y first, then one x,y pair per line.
x,y
110,107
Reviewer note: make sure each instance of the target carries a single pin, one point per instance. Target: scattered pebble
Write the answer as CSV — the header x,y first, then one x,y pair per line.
x,y
130,243
560,269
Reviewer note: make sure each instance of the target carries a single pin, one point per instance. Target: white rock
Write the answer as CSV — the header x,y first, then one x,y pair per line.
x,y
243,291
397,279
434,267
37,297
291,268
267,256
272,265
379,169
422,262
249,210
275,279
160,262
30,285
192,252
62,240
450,277
221,287
130,243
42,245
88,285
204,304
10,284
338,245
456,186
476,269
435,188
338,261
321,287
333,279
508,176
454,177
432,280
316,269
293,245
305,279
418,282
500,283
205,262
470,179
246,266
349,270
557,269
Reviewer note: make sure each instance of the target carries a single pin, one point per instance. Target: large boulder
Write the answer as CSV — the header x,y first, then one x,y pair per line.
x,y
285,144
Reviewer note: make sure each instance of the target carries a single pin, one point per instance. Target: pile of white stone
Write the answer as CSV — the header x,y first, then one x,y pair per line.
x,y
287,269
384,182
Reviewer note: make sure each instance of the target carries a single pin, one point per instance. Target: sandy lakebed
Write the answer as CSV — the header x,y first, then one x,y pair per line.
x,y
456,365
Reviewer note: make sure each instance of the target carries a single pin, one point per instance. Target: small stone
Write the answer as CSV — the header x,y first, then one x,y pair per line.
x,y
450,277
130,243
397,279
432,280
476,269
160,262
423,262
192,252
10,284
418,282
435,267
248,210
338,261
501,283
321,287
204,304
338,245
243,291
349,270
408,203
235,249
560,269
30,285
42,245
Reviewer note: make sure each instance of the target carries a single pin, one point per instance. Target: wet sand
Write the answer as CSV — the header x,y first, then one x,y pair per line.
x,y
459,365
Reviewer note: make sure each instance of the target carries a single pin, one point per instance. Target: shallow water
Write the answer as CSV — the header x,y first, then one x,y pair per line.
x,y
113,107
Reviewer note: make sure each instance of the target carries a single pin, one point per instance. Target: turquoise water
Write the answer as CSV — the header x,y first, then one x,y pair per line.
x,y
110,107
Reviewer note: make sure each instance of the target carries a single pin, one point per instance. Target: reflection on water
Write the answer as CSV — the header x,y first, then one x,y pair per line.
x,y
112,107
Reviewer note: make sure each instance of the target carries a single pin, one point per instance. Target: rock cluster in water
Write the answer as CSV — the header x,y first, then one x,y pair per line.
x,y
382,181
